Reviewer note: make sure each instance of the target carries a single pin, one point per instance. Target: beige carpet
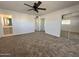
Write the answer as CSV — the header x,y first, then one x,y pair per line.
x,y
38,44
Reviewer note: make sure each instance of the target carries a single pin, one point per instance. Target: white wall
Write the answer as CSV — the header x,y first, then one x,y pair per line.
x,y
22,23
53,20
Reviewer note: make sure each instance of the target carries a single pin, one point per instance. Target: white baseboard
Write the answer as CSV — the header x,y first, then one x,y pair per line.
x,y
15,34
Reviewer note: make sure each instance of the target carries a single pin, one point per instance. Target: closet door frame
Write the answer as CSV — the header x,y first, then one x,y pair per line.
x,y
1,27
42,24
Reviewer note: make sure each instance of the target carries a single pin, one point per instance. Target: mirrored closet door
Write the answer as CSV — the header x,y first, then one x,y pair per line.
x,y
70,26
0,27
7,28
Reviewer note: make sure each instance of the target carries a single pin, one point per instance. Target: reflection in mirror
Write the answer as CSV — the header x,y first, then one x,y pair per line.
x,y
66,22
70,28
7,21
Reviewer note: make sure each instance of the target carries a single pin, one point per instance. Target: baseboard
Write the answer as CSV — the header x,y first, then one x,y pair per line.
x,y
15,34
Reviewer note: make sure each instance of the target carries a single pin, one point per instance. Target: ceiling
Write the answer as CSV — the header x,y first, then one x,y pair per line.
x,y
51,6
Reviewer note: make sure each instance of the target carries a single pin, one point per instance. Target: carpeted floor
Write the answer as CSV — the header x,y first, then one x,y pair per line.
x,y
38,44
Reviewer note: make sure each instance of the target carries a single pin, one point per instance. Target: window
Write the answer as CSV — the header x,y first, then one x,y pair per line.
x,y
66,22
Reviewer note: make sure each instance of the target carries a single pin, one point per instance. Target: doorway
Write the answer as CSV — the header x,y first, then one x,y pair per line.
x,y
42,23
39,24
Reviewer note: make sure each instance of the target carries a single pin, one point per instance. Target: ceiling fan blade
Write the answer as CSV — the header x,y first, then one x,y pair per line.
x,y
42,8
30,9
38,4
28,5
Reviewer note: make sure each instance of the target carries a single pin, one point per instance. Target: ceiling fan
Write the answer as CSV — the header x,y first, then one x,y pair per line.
x,y
35,7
